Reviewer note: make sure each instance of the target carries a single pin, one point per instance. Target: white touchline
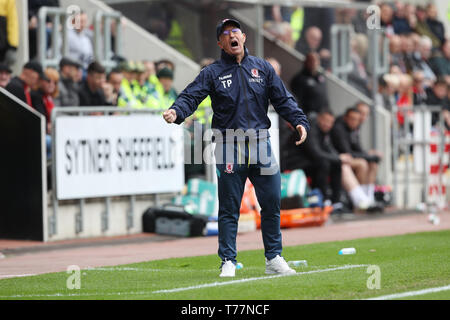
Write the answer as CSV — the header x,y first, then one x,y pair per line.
x,y
16,275
411,293
224,283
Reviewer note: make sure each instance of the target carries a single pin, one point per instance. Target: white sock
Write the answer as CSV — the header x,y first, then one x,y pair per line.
x,y
369,190
359,198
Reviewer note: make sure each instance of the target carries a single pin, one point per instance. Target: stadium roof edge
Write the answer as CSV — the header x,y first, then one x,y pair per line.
x,y
305,3
308,3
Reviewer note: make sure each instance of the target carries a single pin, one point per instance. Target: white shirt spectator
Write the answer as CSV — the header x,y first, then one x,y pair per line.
x,y
80,47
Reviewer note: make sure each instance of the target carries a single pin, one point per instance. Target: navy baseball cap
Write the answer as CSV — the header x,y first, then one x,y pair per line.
x,y
224,23
36,67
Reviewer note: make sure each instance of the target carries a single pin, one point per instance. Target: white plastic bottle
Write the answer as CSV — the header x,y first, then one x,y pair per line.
x,y
298,263
347,251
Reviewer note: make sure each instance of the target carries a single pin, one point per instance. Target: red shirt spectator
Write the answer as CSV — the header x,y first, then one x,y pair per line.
x,y
43,97
28,80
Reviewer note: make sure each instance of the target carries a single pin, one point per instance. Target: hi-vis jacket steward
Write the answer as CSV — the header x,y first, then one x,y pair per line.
x,y
240,95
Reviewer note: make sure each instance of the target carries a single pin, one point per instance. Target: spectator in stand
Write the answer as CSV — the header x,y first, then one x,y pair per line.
x,y
396,53
387,87
440,62
410,15
160,93
127,96
91,90
115,78
141,91
395,69
205,106
419,93
150,82
358,78
313,37
438,96
386,18
409,58
33,10
21,85
45,94
43,101
400,21
434,24
309,86
68,85
422,62
9,32
405,98
5,75
322,18
327,168
422,28
275,64
80,41
150,71
164,63
345,136
168,94
277,23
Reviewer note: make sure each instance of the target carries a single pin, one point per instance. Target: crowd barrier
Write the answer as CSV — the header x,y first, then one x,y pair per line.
x,y
64,19
424,150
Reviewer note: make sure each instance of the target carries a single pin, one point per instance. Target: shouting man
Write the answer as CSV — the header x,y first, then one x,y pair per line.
x,y
240,87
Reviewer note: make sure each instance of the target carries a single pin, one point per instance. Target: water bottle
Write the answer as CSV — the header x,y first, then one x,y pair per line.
x,y
298,263
347,251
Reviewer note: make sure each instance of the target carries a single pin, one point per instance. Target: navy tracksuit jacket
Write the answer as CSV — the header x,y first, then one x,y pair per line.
x,y
240,95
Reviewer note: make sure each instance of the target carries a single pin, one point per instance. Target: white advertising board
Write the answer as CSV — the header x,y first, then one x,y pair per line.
x,y
98,156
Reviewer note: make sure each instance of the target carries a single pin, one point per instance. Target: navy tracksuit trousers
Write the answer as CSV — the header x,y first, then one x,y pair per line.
x,y
235,162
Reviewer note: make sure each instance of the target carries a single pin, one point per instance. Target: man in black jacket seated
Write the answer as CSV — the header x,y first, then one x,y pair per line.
x,y
323,163
91,92
346,139
309,86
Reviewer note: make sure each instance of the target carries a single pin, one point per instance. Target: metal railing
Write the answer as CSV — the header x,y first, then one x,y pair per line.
x,y
103,48
341,61
378,63
404,141
59,38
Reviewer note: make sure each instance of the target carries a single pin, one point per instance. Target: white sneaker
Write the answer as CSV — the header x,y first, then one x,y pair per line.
x,y
278,266
228,269
364,204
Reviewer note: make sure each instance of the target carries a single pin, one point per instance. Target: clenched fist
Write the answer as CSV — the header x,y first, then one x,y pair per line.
x,y
170,115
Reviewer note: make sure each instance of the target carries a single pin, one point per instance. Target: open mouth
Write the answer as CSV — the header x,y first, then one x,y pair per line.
x,y
234,43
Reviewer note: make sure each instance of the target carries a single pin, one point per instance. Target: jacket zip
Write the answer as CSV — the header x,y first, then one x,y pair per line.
x,y
245,92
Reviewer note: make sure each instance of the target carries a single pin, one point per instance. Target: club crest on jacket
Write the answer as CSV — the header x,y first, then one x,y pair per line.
x,y
229,168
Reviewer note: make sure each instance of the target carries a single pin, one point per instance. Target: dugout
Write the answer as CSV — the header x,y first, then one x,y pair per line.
x,y
23,183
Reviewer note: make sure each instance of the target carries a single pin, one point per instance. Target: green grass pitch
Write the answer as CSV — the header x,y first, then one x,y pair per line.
x,y
406,263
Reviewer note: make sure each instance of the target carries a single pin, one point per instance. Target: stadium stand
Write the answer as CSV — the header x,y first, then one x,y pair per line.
x,y
159,57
